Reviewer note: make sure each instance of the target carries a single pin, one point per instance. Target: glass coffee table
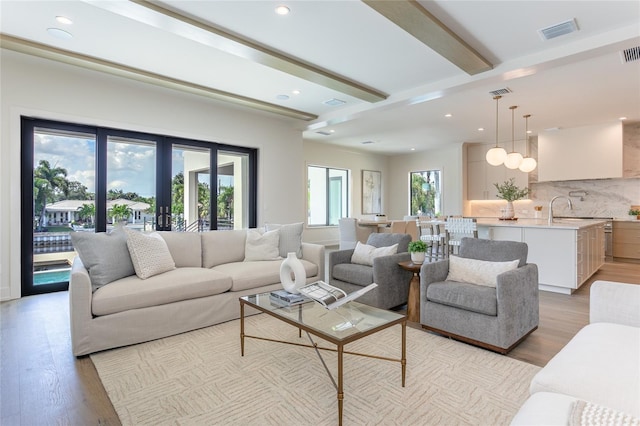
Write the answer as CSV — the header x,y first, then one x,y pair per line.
x,y
348,323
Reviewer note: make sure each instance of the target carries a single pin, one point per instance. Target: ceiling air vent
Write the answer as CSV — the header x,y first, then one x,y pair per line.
x,y
334,102
323,133
500,92
630,55
558,30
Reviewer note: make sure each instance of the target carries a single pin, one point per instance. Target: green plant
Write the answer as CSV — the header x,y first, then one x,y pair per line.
x,y
120,212
509,191
634,212
417,246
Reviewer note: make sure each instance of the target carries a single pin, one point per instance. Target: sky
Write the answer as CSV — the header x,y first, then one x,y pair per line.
x,y
130,166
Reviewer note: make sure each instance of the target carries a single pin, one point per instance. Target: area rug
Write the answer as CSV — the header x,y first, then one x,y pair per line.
x,y
199,378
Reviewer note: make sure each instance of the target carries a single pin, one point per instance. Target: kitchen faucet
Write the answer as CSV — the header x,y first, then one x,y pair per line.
x,y
551,206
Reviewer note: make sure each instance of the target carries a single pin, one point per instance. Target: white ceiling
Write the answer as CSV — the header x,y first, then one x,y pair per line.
x,y
573,80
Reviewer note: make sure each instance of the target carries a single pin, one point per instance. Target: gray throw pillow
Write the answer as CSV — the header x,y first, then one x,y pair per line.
x,y
290,238
105,255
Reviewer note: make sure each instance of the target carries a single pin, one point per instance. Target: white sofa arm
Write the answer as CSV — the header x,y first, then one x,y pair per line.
x,y
80,315
314,253
615,302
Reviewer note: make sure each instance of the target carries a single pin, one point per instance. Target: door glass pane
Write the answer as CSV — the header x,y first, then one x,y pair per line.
x,y
232,204
190,188
426,195
63,200
131,183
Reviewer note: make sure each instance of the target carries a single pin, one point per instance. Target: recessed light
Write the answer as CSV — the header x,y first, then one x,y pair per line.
x,y
296,92
622,118
412,149
448,115
64,20
58,33
282,10
282,97
481,129
332,131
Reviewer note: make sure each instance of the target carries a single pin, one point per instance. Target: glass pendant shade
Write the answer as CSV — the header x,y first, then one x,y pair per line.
x,y
528,164
513,160
496,156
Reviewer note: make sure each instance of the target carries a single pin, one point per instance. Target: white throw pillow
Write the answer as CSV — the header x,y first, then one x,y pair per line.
x,y
364,254
262,246
290,238
149,253
476,271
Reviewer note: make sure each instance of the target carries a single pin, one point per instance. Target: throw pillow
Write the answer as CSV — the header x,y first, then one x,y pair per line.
x,y
476,271
364,254
104,255
149,253
261,246
290,238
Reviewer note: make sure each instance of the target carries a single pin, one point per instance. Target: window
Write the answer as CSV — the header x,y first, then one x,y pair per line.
x,y
327,195
426,195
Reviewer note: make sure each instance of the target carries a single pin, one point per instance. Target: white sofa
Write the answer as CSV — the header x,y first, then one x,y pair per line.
x,y
597,374
210,275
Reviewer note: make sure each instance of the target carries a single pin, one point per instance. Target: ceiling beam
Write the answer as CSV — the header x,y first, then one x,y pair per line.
x,y
151,13
417,21
93,63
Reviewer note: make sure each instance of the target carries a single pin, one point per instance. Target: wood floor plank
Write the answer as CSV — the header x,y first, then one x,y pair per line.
x,y
41,382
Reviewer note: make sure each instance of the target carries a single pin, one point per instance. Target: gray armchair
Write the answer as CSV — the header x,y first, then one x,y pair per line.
x,y
494,318
393,282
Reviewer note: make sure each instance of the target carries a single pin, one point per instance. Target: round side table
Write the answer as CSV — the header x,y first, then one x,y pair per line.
x,y
413,300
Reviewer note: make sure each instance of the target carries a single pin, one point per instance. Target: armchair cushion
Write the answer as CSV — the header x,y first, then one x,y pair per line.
x,y
353,273
480,272
364,254
470,297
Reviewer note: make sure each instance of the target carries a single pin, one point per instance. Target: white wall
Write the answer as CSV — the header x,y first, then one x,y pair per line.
x,y
319,154
45,89
446,159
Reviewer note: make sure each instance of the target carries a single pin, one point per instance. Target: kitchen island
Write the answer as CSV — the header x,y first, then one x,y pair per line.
x,y
567,251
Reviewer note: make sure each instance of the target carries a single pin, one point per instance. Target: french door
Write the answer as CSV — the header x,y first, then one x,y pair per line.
x,y
79,178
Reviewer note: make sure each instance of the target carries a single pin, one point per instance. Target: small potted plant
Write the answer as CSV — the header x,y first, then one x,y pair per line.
x,y
509,192
417,249
635,212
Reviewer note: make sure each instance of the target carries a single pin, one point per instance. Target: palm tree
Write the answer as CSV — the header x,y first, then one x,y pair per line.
x,y
120,212
87,211
46,182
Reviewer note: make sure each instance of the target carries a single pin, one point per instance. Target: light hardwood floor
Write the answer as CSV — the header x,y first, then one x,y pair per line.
x,y
43,383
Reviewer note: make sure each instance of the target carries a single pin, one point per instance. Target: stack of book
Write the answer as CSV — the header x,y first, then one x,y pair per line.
x,y
284,298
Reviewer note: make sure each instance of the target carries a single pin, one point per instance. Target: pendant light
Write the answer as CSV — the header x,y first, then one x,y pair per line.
x,y
528,164
514,158
496,155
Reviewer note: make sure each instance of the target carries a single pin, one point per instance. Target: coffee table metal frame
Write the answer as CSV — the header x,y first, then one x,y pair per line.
x,y
315,328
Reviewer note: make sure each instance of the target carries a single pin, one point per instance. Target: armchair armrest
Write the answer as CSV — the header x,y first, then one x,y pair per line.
x,y
387,270
432,272
337,257
315,253
80,315
517,290
615,302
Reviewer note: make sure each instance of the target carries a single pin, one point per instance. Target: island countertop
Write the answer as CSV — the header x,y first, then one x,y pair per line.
x,y
558,223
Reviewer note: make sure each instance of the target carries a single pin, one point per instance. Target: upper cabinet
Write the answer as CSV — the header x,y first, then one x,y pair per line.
x,y
590,152
481,175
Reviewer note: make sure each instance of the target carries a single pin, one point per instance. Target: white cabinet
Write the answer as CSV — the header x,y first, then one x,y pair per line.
x,y
566,258
589,152
481,175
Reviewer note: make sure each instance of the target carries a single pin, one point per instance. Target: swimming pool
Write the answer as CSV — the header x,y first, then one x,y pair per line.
x,y
51,277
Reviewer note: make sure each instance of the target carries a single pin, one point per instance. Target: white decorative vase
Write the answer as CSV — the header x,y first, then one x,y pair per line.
x,y
292,266
509,212
417,257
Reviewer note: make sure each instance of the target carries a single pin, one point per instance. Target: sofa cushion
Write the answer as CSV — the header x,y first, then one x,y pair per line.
x,y
149,254
290,238
172,286
364,254
261,245
476,271
600,365
105,256
353,273
219,247
248,275
545,408
470,297
185,248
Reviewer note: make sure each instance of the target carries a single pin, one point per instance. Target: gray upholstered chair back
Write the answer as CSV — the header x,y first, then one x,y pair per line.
x,y
495,251
386,240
